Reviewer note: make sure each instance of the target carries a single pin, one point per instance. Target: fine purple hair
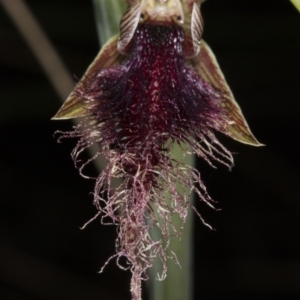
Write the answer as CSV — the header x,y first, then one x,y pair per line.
x,y
136,112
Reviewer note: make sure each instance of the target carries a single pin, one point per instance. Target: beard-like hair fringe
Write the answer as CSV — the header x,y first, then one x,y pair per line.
x,y
135,131
135,208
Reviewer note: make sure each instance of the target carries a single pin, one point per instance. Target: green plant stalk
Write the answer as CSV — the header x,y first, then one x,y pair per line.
x,y
296,3
108,14
179,283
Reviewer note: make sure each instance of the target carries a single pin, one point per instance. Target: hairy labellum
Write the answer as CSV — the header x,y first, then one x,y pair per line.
x,y
135,111
153,97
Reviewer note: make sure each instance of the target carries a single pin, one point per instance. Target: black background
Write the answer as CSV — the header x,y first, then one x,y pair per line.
x,y
255,252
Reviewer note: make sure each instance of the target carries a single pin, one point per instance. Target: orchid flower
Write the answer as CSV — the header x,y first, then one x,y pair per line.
x,y
154,85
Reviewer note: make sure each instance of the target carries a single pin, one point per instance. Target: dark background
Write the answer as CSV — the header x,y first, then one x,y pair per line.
x,y
255,252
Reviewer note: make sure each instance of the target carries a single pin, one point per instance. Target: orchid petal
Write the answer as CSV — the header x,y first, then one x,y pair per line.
x,y
107,57
207,67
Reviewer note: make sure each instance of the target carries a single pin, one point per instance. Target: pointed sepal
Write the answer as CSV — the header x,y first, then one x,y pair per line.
x,y
74,106
207,67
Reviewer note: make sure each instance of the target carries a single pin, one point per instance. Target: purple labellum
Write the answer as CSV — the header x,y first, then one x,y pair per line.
x,y
153,97
135,112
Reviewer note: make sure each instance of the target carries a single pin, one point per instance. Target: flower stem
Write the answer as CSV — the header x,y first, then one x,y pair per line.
x,y
178,284
108,15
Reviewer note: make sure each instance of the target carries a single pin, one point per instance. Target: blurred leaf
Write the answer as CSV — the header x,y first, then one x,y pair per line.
x,y
296,3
